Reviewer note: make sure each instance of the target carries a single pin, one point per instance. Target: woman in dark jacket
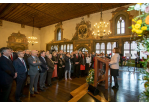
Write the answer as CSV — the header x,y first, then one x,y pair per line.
x,y
82,63
67,66
60,67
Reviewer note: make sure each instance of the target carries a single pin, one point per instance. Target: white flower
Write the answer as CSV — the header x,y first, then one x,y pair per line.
x,y
137,7
143,6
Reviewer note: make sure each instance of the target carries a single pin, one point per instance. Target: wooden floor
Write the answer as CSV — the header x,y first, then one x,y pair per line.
x,y
58,92
129,89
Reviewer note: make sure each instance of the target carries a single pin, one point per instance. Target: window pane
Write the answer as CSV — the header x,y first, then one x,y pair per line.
x,y
109,45
103,46
123,23
133,54
118,31
59,34
97,46
71,46
97,51
133,45
61,47
122,30
126,48
114,45
125,52
141,53
118,24
67,47
64,48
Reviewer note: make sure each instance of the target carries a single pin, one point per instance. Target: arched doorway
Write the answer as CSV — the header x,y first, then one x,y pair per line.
x,y
83,49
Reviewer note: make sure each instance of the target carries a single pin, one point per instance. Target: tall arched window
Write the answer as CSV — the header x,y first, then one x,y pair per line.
x,y
121,26
59,34
108,48
113,46
102,47
133,49
97,48
62,47
126,48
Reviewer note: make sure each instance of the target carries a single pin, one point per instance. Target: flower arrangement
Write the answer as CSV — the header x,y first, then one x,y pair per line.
x,y
90,77
140,27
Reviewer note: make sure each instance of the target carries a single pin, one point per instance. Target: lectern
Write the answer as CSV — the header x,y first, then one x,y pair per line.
x,y
98,75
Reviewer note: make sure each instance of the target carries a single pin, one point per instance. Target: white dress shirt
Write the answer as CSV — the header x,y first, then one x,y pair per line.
x,y
114,63
88,60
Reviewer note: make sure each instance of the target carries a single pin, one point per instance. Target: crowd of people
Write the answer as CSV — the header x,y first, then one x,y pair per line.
x,y
40,66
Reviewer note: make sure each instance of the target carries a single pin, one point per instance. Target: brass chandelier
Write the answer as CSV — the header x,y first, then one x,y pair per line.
x,y
32,39
100,29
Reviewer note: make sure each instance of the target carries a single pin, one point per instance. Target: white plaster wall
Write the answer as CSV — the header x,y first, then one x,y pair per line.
x,y
47,33
9,27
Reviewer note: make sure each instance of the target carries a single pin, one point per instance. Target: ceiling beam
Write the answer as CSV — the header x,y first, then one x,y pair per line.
x,y
9,8
97,7
41,12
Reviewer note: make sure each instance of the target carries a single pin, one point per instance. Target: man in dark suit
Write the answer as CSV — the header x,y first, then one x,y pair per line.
x,y
76,64
21,69
43,73
50,64
13,55
7,74
34,68
26,56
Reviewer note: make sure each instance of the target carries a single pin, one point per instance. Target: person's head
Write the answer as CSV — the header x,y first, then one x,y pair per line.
x,y
54,53
20,54
80,52
27,51
106,55
6,51
96,54
60,56
34,53
93,53
67,54
82,55
49,56
42,53
115,50
47,52
76,51
11,49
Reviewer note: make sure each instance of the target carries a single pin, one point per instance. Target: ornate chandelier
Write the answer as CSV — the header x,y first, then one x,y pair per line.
x,y
32,39
100,29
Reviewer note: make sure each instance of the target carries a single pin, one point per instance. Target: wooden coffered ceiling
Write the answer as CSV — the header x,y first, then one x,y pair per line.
x,y
49,13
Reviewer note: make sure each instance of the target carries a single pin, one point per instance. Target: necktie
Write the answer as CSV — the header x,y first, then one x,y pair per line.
x,y
11,57
77,56
24,64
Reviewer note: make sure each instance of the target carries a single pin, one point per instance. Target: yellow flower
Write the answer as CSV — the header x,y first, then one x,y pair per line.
x,y
139,31
133,30
133,26
139,22
137,25
139,35
133,20
139,3
143,28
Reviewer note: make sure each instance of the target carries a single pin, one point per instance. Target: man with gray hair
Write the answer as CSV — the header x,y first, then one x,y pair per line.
x,y
7,74
34,68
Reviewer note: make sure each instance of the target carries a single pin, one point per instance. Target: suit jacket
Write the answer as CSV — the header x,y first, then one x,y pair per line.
x,y
7,71
82,61
43,65
15,56
137,60
19,66
33,66
75,59
26,56
50,65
